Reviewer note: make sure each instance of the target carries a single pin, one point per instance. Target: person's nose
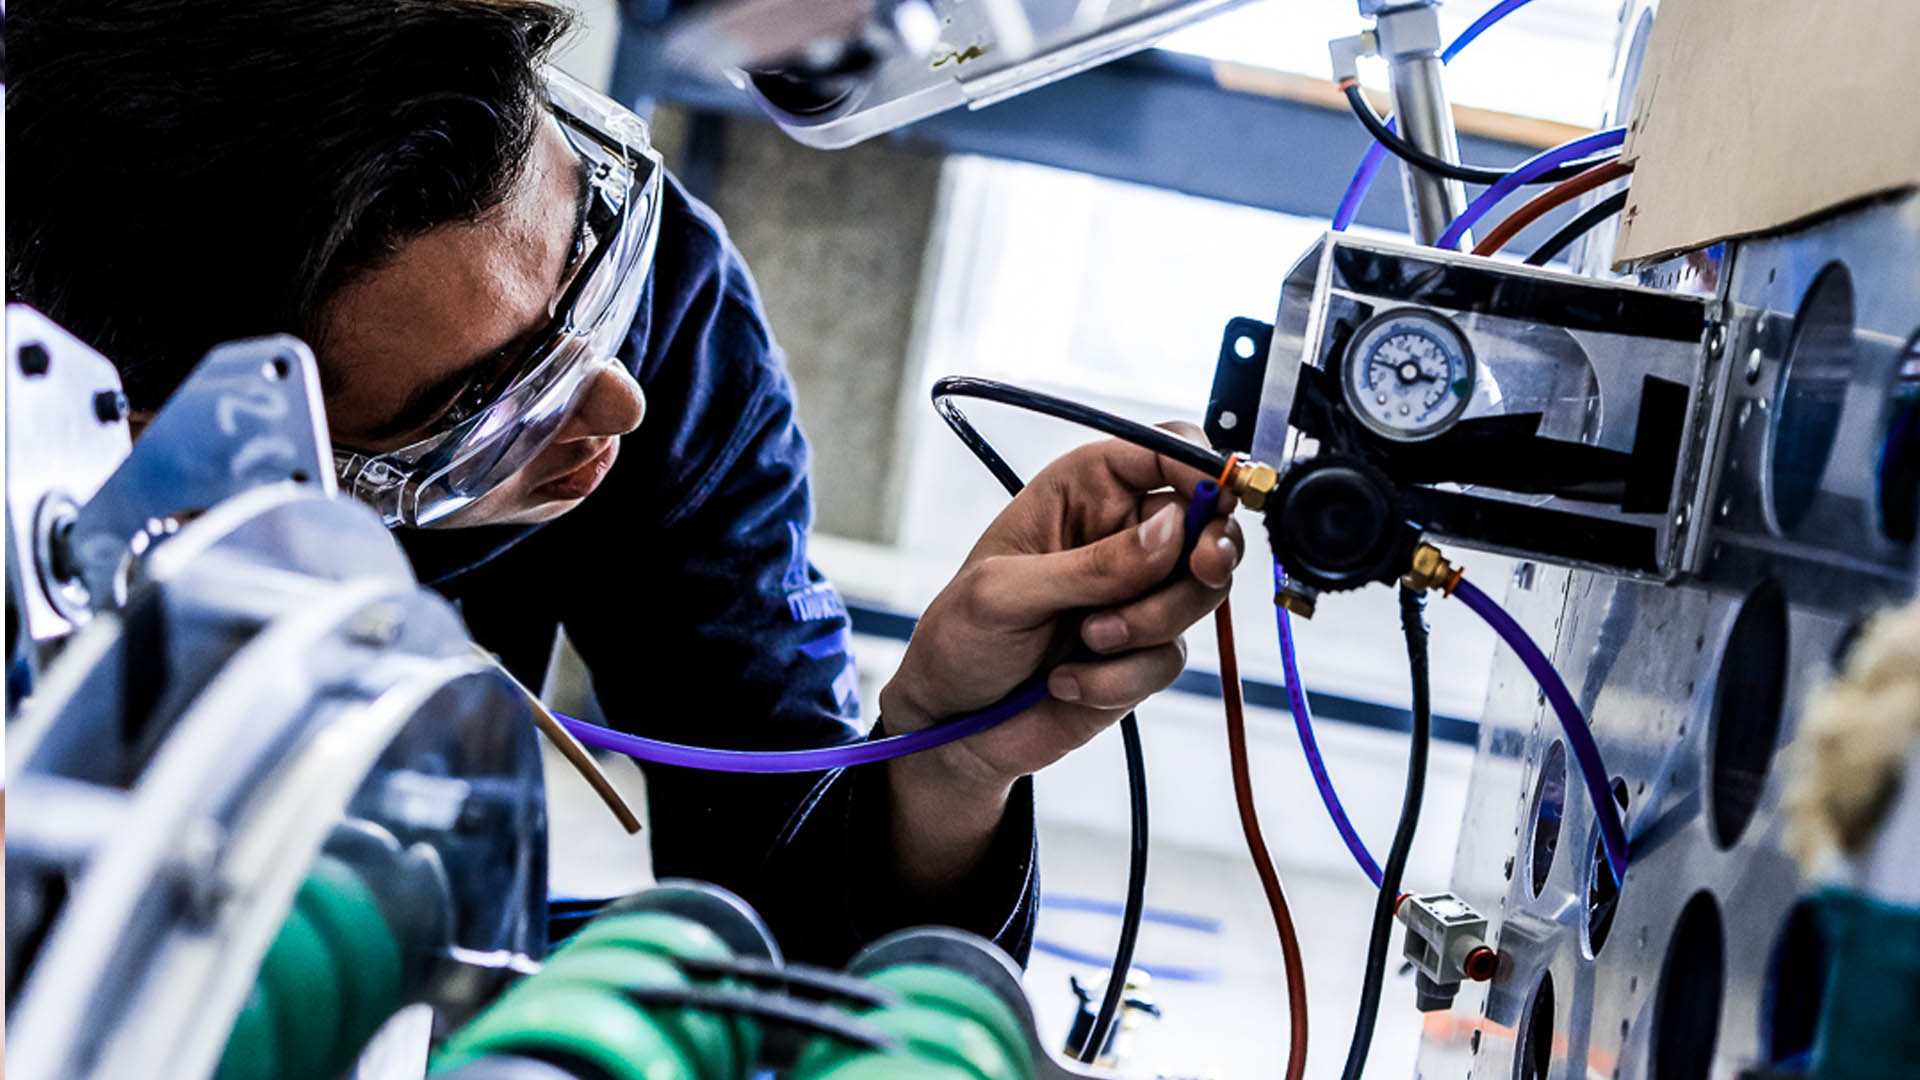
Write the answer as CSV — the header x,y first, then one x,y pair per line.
x,y
608,403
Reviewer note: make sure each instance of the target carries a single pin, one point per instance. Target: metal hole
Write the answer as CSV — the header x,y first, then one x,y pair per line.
x,y
1898,464
1812,390
1749,695
1549,807
34,359
1536,1034
1796,984
1243,347
279,368
1686,1007
300,476
1603,893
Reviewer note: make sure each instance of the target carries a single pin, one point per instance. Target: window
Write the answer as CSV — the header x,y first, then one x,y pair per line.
x,y
1550,59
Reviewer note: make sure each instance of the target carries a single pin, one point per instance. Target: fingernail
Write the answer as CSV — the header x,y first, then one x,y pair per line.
x,y
1063,687
1104,632
1232,553
1158,529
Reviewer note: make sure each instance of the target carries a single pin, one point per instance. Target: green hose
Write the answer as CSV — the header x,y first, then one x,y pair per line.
x,y
333,974
574,1008
946,1026
329,980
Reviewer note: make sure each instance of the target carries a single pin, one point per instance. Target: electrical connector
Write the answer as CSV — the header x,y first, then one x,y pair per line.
x,y
1446,943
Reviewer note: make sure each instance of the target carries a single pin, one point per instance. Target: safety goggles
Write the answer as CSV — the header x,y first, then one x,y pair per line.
x,y
499,423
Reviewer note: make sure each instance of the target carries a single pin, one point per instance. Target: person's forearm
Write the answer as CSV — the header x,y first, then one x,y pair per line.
x,y
943,820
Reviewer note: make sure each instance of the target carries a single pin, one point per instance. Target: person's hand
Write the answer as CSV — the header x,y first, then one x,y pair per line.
x,y
1078,558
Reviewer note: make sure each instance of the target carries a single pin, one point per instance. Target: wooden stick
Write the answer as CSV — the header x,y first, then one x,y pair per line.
x,y
571,749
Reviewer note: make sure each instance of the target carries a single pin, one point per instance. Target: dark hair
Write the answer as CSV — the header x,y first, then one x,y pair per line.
x,y
185,172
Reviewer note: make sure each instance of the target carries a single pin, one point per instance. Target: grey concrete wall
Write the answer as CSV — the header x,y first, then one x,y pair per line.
x,y
837,241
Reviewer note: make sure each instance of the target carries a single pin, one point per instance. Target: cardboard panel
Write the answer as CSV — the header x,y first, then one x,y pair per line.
x,y
1754,114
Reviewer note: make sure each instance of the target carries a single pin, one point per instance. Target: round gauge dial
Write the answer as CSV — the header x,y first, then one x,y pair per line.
x,y
1408,374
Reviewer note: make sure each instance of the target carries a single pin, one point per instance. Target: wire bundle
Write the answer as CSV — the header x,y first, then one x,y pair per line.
x,y
1561,167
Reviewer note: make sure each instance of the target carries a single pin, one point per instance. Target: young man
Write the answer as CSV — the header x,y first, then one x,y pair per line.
x,y
498,281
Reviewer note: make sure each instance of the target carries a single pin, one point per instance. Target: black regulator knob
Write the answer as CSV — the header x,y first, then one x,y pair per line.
x,y
1335,524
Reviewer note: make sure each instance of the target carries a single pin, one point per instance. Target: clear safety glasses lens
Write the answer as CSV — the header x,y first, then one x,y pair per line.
x,y
426,482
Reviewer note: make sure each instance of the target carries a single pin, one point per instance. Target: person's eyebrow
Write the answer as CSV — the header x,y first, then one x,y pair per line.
x,y
421,402
416,407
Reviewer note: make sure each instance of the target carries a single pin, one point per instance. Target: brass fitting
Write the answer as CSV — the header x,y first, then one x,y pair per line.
x,y
1297,599
1250,481
1431,571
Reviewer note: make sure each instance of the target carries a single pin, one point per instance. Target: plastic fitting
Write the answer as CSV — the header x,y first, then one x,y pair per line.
x,y
1446,944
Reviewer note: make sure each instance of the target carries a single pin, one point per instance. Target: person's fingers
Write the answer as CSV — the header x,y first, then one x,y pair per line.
x,y
1132,467
1218,554
1122,682
1023,590
1160,616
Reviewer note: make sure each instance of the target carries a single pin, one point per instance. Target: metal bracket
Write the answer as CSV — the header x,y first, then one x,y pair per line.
x,y
66,432
249,415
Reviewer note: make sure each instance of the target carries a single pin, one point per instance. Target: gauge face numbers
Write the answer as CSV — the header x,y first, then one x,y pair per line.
x,y
1408,374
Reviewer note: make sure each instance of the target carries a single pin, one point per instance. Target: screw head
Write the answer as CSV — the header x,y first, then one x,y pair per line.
x,y
110,406
1753,365
34,359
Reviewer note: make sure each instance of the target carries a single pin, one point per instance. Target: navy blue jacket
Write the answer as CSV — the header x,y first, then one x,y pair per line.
x,y
685,585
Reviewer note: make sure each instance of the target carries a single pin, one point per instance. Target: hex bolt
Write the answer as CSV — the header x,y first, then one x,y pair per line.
x,y
377,626
1717,340
110,406
34,360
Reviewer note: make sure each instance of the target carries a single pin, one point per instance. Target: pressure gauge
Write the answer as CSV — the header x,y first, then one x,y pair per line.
x,y
1408,374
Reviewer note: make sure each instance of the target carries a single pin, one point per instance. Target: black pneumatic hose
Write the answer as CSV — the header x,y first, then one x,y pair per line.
x,y
1588,220
1130,915
1165,443
1413,623
1399,147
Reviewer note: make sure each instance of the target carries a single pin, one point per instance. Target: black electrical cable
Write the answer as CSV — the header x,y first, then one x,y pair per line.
x,y
1135,908
1413,624
1471,174
1164,443
1578,227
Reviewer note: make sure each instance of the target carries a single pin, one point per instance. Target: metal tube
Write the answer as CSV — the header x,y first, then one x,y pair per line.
x,y
1409,41
1426,120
